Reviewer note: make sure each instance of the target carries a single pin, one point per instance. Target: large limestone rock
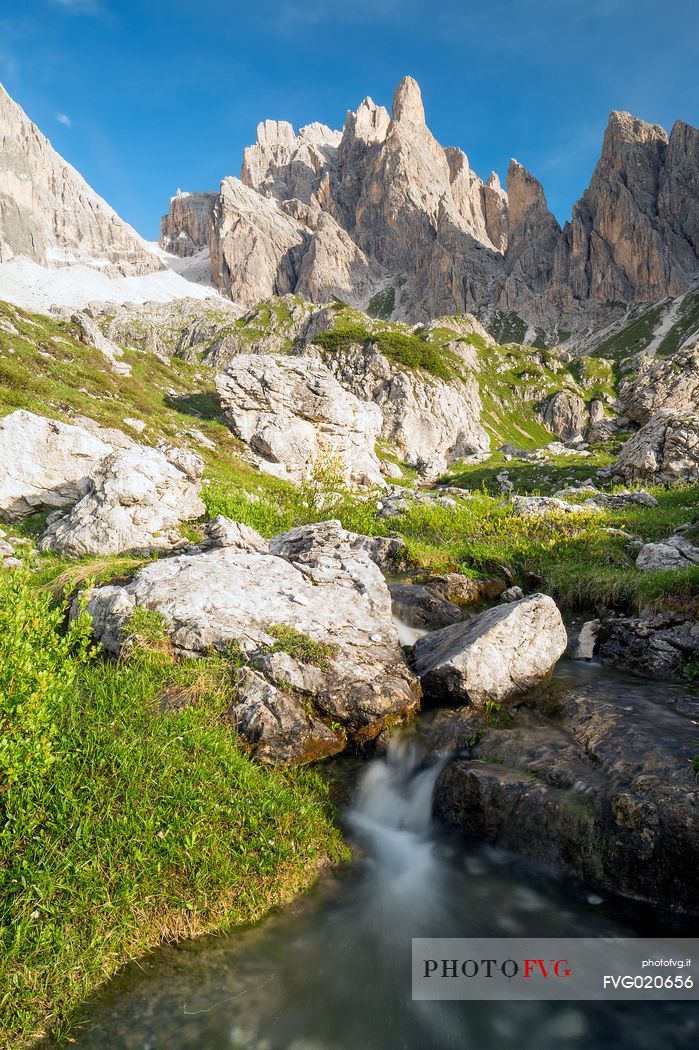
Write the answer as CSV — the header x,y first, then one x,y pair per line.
x,y
429,422
43,463
134,499
256,248
565,415
533,232
497,655
291,413
314,618
49,213
670,382
675,552
665,450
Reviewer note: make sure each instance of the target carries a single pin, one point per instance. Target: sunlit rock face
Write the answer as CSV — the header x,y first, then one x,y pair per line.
x,y
49,214
382,203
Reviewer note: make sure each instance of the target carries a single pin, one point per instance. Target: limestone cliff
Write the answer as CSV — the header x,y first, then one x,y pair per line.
x,y
49,214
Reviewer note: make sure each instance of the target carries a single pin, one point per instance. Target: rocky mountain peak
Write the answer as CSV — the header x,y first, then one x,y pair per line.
x,y
524,193
407,103
624,131
400,206
369,123
271,133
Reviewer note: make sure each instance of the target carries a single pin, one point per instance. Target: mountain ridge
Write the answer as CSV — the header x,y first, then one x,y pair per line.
x,y
423,224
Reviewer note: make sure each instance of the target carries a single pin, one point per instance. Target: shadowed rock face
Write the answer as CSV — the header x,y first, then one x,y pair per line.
x,y
665,450
49,213
595,780
667,383
397,206
184,231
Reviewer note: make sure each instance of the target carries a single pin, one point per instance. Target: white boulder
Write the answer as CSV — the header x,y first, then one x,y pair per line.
x,y
43,463
291,412
134,500
496,655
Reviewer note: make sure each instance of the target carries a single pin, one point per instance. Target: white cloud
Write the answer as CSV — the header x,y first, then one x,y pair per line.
x,y
64,119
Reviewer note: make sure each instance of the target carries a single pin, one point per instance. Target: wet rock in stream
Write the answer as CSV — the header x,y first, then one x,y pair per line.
x,y
596,780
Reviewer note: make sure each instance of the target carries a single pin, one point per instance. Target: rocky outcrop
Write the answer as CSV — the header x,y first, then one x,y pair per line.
x,y
546,506
334,267
323,662
91,335
189,328
669,382
184,231
630,237
565,415
256,248
665,450
658,644
429,422
597,781
495,656
43,463
384,551
49,213
284,165
291,413
533,234
133,500
675,552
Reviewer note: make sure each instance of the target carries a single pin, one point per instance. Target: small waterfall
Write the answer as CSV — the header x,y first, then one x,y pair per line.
x,y
391,819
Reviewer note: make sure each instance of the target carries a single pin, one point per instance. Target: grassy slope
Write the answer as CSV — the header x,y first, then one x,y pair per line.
x,y
86,879
131,815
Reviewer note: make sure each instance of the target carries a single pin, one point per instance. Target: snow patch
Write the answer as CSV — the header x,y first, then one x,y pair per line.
x,y
34,287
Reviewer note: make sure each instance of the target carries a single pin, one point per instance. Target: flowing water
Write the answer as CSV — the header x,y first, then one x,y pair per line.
x,y
332,972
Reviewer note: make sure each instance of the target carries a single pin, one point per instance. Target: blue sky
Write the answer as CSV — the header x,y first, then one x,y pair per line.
x,y
144,97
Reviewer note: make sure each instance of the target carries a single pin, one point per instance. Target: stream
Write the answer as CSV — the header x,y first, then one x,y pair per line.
x,y
332,971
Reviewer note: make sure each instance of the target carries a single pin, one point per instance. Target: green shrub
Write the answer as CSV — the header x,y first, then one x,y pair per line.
x,y
404,349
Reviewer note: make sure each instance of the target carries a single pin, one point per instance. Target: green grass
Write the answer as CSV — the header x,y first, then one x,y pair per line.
x,y
507,327
130,816
580,563
382,304
543,478
407,350
634,334
300,647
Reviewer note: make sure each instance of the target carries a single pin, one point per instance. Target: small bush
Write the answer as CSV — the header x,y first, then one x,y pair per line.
x,y
404,349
